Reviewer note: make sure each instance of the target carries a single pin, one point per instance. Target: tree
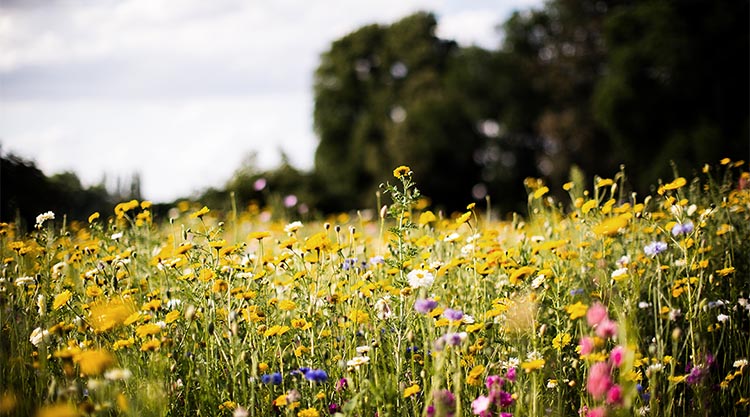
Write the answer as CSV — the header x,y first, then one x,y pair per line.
x,y
382,100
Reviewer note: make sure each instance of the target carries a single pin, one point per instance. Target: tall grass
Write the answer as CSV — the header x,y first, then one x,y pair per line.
x,y
606,304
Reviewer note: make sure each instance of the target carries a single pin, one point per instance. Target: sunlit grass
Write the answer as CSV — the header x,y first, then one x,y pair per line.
x,y
605,304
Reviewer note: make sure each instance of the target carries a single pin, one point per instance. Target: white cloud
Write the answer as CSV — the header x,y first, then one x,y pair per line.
x,y
182,91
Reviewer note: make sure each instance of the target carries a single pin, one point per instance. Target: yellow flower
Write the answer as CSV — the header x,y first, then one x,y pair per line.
x,y
725,271
426,217
93,362
540,192
61,299
262,367
280,401
147,329
105,316
577,310
677,183
287,305
123,343
561,340
309,412
151,345
412,390
58,410
463,218
200,213
401,171
532,365
587,206
172,316
228,405
519,274
604,182
474,375
258,235
276,330
93,217
612,225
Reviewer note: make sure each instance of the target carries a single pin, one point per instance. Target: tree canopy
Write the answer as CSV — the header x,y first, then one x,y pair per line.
x,y
589,84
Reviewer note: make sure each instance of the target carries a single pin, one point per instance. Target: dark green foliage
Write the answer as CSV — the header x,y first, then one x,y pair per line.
x,y
26,192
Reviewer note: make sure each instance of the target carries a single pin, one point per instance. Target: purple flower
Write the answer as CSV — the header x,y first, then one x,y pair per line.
x,y
349,263
682,228
494,380
655,248
450,339
445,403
454,315
341,384
376,260
424,306
511,374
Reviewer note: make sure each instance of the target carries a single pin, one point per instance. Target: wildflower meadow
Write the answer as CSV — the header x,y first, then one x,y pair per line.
x,y
605,303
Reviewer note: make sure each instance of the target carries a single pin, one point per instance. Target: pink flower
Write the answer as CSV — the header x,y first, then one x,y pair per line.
x,y
511,374
597,412
494,380
587,345
614,395
606,329
480,405
599,380
617,355
596,314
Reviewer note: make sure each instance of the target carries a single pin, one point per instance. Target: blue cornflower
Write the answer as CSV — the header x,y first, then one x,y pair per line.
x,y
375,260
577,291
274,378
424,306
452,314
682,228
349,263
655,248
316,375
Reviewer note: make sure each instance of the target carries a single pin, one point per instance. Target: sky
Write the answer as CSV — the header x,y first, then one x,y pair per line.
x,y
184,91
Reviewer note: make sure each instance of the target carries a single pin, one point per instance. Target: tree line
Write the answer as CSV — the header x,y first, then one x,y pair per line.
x,y
574,88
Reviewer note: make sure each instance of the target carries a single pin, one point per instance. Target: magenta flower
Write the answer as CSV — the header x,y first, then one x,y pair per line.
x,y
511,374
599,381
606,329
596,314
616,356
614,395
587,345
597,412
481,405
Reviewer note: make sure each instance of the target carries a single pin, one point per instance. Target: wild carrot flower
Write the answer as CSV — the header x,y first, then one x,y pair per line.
x,y
40,219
